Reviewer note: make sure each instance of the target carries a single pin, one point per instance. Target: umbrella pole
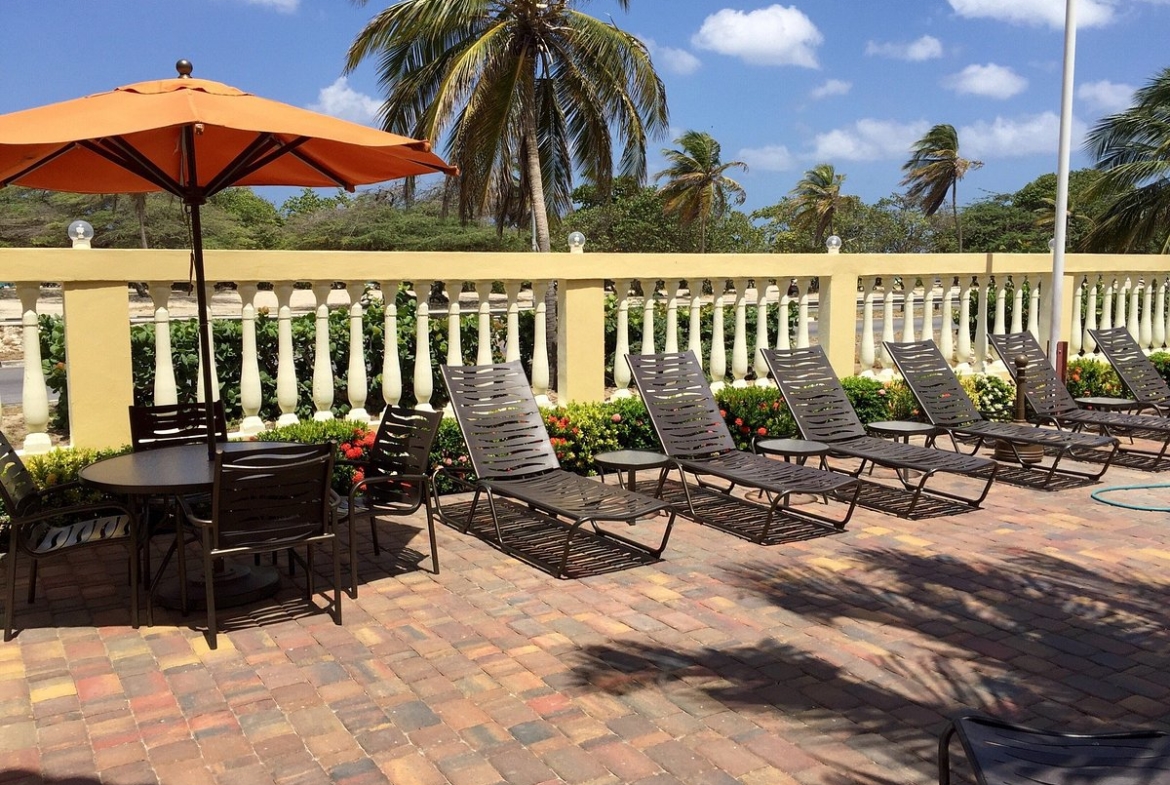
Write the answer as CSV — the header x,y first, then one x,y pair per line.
x,y
204,328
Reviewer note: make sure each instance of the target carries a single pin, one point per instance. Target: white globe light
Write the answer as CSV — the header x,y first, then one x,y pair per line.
x,y
80,230
576,240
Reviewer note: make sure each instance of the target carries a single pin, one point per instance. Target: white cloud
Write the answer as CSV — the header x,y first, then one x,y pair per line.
x,y
284,6
341,100
776,35
867,140
991,80
1106,96
832,87
1038,13
1015,137
773,158
925,48
671,60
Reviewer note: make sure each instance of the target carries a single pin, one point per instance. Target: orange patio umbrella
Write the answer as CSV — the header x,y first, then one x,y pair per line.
x,y
193,138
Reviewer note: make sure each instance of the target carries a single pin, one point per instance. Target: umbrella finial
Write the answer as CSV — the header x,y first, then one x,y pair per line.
x,y
184,68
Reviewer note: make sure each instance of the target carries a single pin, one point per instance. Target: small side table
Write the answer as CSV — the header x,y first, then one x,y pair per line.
x,y
792,450
902,430
1106,404
631,462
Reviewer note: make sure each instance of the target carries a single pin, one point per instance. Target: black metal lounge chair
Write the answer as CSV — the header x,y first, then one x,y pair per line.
x,y
1051,402
696,439
1135,370
823,413
514,460
947,406
1003,753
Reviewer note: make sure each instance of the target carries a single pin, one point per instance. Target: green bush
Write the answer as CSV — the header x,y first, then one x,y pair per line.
x,y
1089,378
995,398
755,413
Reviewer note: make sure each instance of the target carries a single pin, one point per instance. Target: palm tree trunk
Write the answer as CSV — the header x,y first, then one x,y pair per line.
x,y
702,233
540,226
955,212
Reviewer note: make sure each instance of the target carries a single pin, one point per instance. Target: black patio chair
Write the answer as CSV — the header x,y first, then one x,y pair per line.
x,y
1139,376
1051,402
514,460
171,425
395,479
823,413
265,501
49,523
1003,753
694,436
947,406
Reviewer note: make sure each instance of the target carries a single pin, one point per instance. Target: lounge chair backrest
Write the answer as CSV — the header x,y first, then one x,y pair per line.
x,y
1137,373
17,487
1046,394
933,383
681,405
814,395
501,423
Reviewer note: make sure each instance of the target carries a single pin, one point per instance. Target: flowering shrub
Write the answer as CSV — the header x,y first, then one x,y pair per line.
x,y
994,397
353,444
1087,377
755,413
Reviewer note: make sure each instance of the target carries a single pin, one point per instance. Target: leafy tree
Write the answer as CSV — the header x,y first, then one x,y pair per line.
x,y
996,224
1132,149
1039,198
510,82
310,201
893,225
631,219
698,189
817,198
934,169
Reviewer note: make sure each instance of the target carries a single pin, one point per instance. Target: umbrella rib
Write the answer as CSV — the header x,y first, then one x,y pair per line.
x,y
245,163
322,169
118,151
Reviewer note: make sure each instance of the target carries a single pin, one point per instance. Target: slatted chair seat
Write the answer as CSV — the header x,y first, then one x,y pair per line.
x,y
1137,373
823,413
513,459
694,436
1051,402
1004,753
946,405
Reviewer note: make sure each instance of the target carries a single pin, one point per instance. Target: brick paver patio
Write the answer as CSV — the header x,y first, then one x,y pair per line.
x,y
831,659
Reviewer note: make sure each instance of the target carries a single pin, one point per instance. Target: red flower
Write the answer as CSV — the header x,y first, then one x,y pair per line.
x,y
762,431
739,421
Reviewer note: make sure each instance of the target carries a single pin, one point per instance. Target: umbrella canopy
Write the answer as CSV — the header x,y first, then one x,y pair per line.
x,y
193,138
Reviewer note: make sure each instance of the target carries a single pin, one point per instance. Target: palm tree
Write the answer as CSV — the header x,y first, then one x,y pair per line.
x,y
817,198
696,188
516,83
935,168
1132,149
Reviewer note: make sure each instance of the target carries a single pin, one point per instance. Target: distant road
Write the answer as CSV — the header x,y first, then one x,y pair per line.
x,y
12,386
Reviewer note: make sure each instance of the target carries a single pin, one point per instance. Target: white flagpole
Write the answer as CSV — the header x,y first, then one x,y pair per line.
x,y
1060,223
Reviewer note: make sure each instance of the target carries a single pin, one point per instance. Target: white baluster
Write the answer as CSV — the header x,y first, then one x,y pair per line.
x,y
1159,316
802,317
718,339
512,349
981,325
209,292
783,319
424,381
1089,345
540,368
1034,309
483,290
391,363
963,344
1107,304
286,372
621,368
322,362
997,366
739,362
888,336
1017,304
927,308
908,301
357,384
454,321
695,329
649,289
1076,339
866,353
251,394
673,291
1146,331
166,392
34,397
946,330
760,366
1132,323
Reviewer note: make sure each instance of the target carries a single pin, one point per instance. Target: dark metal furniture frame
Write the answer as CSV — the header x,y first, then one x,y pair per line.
x,y
396,478
1135,370
823,413
514,460
265,501
168,425
42,528
1003,753
1051,402
946,405
696,439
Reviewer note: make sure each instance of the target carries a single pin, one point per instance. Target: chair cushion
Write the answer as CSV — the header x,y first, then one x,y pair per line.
x,y
48,536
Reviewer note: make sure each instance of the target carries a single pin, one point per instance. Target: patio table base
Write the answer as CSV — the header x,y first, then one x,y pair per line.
x,y
238,584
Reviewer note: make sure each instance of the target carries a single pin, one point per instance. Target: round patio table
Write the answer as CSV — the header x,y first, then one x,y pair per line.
x,y
179,471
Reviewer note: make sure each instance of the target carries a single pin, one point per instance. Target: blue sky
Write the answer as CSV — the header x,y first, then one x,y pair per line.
x,y
782,86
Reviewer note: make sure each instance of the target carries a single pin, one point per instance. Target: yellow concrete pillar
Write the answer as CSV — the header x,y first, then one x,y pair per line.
x,y
97,356
837,321
580,341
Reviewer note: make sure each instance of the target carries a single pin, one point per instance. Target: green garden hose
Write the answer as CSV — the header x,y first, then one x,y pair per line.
x,y
1099,496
